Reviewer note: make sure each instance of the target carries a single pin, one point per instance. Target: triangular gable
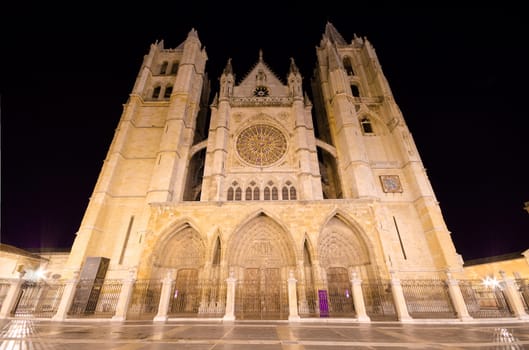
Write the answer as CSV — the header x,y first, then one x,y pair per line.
x,y
260,75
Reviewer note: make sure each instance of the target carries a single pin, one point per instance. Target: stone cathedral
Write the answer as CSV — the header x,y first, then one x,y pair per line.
x,y
260,181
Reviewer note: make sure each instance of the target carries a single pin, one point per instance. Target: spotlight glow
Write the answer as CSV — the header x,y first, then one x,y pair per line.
x,y
491,282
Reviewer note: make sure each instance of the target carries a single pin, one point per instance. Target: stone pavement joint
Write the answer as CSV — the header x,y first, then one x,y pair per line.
x,y
18,334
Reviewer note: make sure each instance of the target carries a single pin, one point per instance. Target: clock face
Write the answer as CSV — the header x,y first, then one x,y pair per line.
x,y
261,145
261,91
391,183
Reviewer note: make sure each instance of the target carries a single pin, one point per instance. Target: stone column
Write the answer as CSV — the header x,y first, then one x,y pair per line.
x,y
124,297
399,300
303,304
513,297
165,298
12,296
67,298
292,298
230,297
457,298
358,298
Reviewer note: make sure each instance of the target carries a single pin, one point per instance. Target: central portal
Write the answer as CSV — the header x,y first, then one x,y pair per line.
x,y
261,255
262,295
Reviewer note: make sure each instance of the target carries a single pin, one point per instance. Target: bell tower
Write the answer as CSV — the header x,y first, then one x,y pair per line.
x,y
370,151
151,157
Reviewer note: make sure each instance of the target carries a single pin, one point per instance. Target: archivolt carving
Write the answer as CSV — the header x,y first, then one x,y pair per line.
x,y
261,243
339,245
184,250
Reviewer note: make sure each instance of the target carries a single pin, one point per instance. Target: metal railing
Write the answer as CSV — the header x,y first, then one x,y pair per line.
x,y
341,301
523,288
264,301
38,299
212,300
308,303
428,298
263,296
145,300
379,300
4,288
484,301
95,299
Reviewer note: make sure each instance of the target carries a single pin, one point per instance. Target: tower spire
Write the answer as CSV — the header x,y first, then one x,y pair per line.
x,y
334,36
228,69
293,68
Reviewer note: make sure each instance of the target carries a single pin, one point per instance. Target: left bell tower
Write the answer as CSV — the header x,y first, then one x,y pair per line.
x,y
150,155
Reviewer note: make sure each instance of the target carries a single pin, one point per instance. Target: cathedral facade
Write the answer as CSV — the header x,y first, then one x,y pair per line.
x,y
260,182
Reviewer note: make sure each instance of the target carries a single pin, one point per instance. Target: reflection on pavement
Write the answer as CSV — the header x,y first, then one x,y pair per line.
x,y
503,335
14,334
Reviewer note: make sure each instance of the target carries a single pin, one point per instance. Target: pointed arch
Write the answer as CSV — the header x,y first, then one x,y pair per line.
x,y
329,174
172,228
180,246
377,124
261,240
194,176
343,243
307,245
217,252
348,65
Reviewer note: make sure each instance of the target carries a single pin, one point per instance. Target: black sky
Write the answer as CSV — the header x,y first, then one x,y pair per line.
x,y
460,77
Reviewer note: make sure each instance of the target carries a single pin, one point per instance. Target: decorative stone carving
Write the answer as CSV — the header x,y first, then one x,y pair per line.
x,y
261,145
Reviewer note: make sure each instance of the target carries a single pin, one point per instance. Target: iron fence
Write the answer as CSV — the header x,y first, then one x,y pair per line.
x,y
95,299
38,299
262,295
4,288
484,301
378,300
308,303
145,299
341,302
428,298
255,300
523,288
213,299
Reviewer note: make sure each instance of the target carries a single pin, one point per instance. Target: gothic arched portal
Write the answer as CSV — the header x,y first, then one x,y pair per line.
x,y
182,255
261,254
341,251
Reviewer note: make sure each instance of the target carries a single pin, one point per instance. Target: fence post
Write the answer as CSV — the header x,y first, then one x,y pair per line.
x,y
230,297
358,298
457,298
124,297
399,300
513,297
67,298
165,297
292,298
12,296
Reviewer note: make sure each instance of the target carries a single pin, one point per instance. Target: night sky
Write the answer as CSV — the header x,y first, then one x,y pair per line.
x,y
459,76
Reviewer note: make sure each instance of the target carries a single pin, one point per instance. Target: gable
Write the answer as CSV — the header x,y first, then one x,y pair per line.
x,y
260,76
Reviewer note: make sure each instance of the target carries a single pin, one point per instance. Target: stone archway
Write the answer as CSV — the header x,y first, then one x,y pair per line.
x,y
183,255
183,250
341,250
261,254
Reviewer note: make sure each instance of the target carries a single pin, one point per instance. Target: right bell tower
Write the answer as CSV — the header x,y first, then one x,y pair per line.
x,y
366,152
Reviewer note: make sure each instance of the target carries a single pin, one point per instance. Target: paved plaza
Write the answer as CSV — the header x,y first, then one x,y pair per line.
x,y
18,334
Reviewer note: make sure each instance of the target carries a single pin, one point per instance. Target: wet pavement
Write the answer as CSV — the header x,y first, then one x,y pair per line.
x,y
17,334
